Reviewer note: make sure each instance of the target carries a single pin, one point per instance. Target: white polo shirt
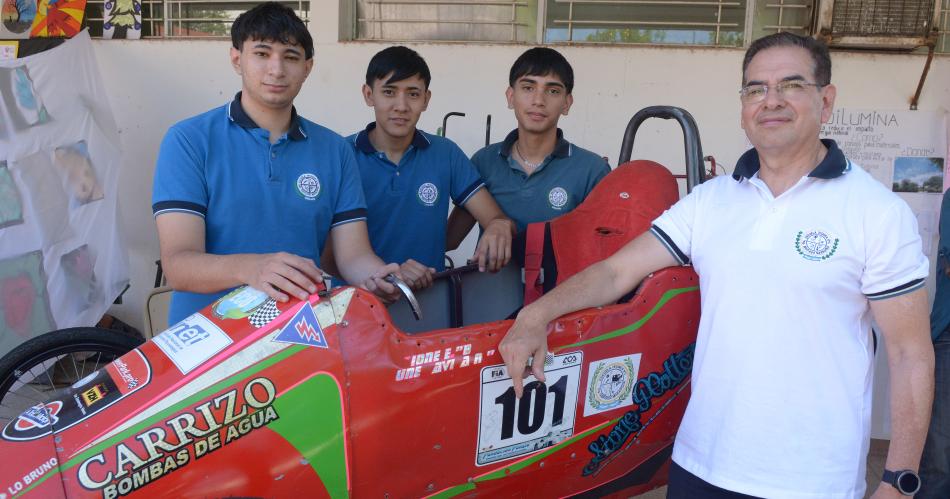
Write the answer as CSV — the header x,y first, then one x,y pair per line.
x,y
781,383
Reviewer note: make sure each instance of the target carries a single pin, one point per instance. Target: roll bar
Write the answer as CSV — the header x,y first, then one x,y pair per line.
x,y
695,173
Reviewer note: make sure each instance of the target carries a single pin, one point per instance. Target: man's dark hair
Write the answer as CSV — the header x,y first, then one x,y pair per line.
x,y
817,49
542,61
271,21
402,62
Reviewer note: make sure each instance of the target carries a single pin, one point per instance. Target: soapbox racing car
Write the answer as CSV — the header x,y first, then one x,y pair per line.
x,y
339,396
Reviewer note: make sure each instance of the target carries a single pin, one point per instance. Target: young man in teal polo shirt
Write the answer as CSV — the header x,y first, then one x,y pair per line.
x,y
535,174
409,176
248,193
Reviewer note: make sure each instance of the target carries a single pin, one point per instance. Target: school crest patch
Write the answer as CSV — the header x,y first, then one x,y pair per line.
x,y
557,197
815,245
428,194
308,186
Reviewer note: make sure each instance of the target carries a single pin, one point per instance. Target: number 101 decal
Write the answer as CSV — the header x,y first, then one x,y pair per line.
x,y
508,427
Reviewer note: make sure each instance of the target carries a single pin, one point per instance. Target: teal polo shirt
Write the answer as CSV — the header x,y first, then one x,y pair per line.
x,y
254,196
408,203
559,185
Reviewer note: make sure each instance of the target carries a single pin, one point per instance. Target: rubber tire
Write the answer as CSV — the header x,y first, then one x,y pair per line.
x,y
63,341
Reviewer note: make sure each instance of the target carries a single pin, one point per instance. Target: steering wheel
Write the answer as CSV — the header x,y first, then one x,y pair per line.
x,y
410,296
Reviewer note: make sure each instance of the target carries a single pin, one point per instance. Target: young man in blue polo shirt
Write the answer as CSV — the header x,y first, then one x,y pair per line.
x,y
535,174
409,176
248,193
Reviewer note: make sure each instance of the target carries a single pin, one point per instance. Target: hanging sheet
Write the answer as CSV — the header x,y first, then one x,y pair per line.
x,y
62,261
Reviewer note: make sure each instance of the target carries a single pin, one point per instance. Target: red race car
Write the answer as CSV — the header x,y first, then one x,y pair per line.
x,y
341,396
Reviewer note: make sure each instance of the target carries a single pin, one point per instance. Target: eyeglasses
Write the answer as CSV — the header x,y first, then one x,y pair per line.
x,y
789,89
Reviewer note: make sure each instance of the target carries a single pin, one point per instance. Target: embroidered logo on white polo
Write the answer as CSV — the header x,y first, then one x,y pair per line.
x,y
815,245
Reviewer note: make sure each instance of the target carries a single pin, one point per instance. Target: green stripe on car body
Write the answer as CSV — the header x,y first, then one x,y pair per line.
x,y
311,419
667,296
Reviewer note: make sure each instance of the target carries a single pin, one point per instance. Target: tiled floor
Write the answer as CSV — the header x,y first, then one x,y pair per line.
x,y
876,458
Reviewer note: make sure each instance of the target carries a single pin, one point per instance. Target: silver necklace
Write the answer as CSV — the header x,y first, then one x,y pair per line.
x,y
525,160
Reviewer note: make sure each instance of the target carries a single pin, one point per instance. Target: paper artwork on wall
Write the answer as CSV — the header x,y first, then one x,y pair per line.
x,y
904,150
17,17
24,301
58,18
78,267
11,207
47,208
8,49
122,19
21,107
79,176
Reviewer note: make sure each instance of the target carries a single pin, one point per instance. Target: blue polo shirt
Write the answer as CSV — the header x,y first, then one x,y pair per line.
x,y
408,203
562,182
254,196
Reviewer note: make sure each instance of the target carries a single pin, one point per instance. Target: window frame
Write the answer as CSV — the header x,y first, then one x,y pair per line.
x,y
164,24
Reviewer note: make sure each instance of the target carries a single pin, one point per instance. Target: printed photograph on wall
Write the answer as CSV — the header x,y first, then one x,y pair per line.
x,y
11,208
17,17
79,175
24,300
79,267
20,105
918,174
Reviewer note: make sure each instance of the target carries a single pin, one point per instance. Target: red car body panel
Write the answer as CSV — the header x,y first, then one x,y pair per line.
x,y
367,412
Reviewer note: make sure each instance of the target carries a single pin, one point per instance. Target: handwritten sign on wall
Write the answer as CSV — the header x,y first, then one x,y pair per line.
x,y
904,150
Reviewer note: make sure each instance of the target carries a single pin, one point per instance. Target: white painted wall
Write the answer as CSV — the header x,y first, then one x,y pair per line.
x,y
154,83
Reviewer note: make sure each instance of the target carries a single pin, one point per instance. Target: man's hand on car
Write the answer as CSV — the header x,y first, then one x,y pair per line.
x,y
283,274
526,339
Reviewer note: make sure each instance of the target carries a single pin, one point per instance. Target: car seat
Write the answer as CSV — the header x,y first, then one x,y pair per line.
x,y
621,207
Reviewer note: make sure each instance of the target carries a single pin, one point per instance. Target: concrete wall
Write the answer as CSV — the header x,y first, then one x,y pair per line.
x,y
154,83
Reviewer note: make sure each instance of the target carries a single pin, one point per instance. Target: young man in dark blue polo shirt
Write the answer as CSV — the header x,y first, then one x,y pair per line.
x,y
248,193
409,176
535,174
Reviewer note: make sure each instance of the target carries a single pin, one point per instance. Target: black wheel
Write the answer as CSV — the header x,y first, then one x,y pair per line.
x,y
33,371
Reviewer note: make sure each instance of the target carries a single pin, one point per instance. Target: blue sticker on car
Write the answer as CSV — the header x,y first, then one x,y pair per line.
x,y
303,329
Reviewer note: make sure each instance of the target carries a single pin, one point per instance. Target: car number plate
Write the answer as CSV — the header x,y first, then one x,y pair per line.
x,y
544,416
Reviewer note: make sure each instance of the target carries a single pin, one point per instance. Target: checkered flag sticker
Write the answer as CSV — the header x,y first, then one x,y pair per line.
x,y
264,314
